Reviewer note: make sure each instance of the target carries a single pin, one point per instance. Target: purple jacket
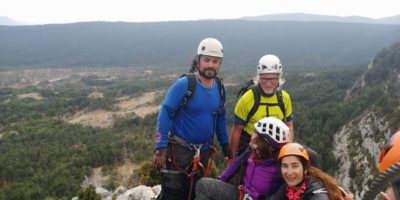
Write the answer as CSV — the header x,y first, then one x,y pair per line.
x,y
261,179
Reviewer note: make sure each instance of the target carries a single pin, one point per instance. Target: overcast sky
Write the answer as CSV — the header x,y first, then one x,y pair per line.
x,y
66,11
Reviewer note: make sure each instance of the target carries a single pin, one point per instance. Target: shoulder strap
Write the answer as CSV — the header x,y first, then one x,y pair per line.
x,y
191,88
245,88
257,96
281,104
222,93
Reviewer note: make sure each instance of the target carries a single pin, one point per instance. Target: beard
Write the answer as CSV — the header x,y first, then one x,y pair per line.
x,y
208,73
268,92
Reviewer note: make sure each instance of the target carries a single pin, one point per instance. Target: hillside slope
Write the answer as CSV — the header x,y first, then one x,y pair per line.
x,y
357,144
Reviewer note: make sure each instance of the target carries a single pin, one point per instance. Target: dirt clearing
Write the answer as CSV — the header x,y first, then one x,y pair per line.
x,y
32,95
139,106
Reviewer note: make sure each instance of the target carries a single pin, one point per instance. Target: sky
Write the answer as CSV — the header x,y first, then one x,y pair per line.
x,y
68,11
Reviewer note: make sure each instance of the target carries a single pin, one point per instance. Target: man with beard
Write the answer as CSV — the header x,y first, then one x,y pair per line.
x,y
186,126
272,102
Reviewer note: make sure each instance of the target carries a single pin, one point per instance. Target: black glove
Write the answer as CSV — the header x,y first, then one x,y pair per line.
x,y
161,158
226,150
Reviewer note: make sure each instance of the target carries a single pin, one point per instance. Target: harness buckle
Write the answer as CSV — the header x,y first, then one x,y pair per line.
x,y
196,159
247,197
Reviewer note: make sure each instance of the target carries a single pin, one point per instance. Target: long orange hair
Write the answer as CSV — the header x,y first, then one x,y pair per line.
x,y
330,184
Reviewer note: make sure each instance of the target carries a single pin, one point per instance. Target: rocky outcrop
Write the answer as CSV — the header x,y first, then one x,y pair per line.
x,y
356,147
137,193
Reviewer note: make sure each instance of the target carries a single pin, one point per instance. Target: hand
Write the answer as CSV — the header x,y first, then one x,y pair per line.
x,y
227,160
161,158
227,152
346,195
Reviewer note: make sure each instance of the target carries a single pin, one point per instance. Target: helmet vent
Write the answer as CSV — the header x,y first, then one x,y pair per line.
x,y
264,67
284,137
278,135
271,129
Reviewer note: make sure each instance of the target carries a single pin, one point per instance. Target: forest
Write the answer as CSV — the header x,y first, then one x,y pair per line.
x,y
43,156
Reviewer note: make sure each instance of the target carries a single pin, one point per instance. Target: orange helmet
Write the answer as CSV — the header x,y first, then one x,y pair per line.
x,y
293,149
390,153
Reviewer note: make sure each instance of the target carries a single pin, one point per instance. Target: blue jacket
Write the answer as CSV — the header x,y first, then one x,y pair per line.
x,y
197,121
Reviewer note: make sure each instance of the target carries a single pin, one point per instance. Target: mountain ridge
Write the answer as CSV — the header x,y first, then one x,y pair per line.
x,y
153,44
328,18
6,21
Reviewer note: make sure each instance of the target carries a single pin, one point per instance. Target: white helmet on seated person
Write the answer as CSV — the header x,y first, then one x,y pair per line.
x,y
273,130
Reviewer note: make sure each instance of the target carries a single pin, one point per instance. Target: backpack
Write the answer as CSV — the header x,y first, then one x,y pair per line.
x,y
192,88
257,96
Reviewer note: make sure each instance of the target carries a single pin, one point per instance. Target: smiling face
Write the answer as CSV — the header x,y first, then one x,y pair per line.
x,y
209,66
269,82
292,170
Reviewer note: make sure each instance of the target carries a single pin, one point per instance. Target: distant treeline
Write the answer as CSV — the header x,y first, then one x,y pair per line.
x,y
173,44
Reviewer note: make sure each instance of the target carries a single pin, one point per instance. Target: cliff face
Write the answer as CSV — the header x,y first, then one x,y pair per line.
x,y
357,148
358,143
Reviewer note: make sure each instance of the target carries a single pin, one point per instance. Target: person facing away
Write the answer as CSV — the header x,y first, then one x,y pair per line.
x,y
261,176
302,181
389,157
269,76
184,132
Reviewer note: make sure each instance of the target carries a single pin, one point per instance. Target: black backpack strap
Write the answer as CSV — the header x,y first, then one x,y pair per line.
x,y
191,88
281,104
245,88
257,97
222,93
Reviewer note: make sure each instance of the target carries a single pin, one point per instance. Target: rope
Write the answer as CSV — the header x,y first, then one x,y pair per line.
x,y
210,162
240,188
381,181
195,163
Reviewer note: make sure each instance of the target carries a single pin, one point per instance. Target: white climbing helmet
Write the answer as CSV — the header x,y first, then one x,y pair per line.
x,y
210,47
269,64
273,130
